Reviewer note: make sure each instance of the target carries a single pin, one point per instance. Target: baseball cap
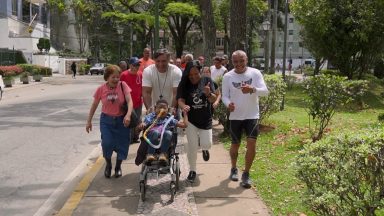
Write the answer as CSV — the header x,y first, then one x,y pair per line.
x,y
134,61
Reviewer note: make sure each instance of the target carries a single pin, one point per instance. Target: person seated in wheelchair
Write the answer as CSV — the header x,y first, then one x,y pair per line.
x,y
154,123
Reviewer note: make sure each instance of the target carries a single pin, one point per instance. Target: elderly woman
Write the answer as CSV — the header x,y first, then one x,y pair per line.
x,y
115,134
195,97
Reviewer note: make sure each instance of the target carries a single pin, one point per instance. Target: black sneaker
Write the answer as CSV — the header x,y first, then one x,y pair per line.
x,y
191,176
234,176
246,182
206,155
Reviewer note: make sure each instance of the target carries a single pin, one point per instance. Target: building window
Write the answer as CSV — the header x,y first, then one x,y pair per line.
x,y
219,42
14,7
26,11
44,16
291,20
290,32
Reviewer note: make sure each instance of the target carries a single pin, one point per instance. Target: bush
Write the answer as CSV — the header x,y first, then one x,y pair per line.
x,y
84,69
344,174
45,71
221,112
271,103
356,90
308,71
10,70
325,94
381,117
331,72
37,69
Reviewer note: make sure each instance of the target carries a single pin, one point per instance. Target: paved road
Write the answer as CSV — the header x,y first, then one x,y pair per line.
x,y
43,141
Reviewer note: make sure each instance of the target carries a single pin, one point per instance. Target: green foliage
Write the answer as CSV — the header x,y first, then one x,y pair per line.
x,y
44,44
356,90
379,69
36,69
325,94
183,9
345,174
84,68
349,33
25,74
331,72
271,103
381,117
221,112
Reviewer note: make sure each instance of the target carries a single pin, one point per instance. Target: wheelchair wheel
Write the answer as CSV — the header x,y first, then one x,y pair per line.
x,y
173,191
142,191
177,173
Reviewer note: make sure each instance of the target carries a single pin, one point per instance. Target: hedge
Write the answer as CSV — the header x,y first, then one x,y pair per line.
x,y
44,71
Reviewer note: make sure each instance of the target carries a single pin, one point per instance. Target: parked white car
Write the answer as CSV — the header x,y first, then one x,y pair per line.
x,y
98,68
2,86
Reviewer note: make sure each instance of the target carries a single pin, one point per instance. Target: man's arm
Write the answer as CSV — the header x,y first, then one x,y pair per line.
x,y
147,97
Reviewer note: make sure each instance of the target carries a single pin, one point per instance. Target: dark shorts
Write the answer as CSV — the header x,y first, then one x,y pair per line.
x,y
236,127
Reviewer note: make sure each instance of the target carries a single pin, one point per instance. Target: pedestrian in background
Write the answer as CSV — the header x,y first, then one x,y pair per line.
x,y
114,122
217,69
146,60
73,68
133,78
241,89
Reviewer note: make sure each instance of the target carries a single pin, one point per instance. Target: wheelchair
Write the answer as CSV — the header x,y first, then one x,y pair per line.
x,y
155,167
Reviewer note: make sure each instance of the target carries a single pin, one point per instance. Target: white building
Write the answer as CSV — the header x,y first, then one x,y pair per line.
x,y
22,23
295,50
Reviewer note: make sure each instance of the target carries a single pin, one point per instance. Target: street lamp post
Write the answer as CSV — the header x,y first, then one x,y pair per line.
x,y
120,32
266,26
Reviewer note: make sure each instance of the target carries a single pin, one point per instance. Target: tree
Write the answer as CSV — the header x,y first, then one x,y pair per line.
x,y
181,16
208,29
44,44
349,33
83,10
238,16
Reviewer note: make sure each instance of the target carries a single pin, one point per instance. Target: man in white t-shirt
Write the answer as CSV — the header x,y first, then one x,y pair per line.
x,y
242,87
160,80
217,69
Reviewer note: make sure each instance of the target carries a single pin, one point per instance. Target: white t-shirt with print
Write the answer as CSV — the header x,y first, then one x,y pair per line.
x,y
246,105
216,73
162,83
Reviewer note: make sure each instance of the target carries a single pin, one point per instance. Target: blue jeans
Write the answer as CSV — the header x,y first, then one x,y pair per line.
x,y
154,137
114,136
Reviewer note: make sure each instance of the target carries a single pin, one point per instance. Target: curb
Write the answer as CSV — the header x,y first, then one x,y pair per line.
x,y
77,195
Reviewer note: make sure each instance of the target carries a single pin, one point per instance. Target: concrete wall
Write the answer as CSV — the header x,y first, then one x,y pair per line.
x,y
65,65
51,61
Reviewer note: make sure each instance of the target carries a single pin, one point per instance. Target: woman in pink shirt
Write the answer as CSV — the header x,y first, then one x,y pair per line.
x,y
115,133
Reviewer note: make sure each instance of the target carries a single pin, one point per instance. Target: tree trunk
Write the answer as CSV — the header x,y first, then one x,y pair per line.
x,y
317,66
209,30
274,30
238,25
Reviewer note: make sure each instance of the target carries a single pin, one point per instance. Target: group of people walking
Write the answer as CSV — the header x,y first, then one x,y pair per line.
x,y
159,85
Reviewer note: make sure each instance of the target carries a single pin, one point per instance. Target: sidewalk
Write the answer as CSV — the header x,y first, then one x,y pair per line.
x,y
211,194
19,84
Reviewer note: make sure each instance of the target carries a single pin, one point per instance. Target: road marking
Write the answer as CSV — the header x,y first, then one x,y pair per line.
x,y
60,111
81,189
50,204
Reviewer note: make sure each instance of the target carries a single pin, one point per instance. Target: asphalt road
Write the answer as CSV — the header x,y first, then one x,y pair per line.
x,y
44,146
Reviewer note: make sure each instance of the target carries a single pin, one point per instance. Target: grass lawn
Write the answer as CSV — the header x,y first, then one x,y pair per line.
x,y
273,171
